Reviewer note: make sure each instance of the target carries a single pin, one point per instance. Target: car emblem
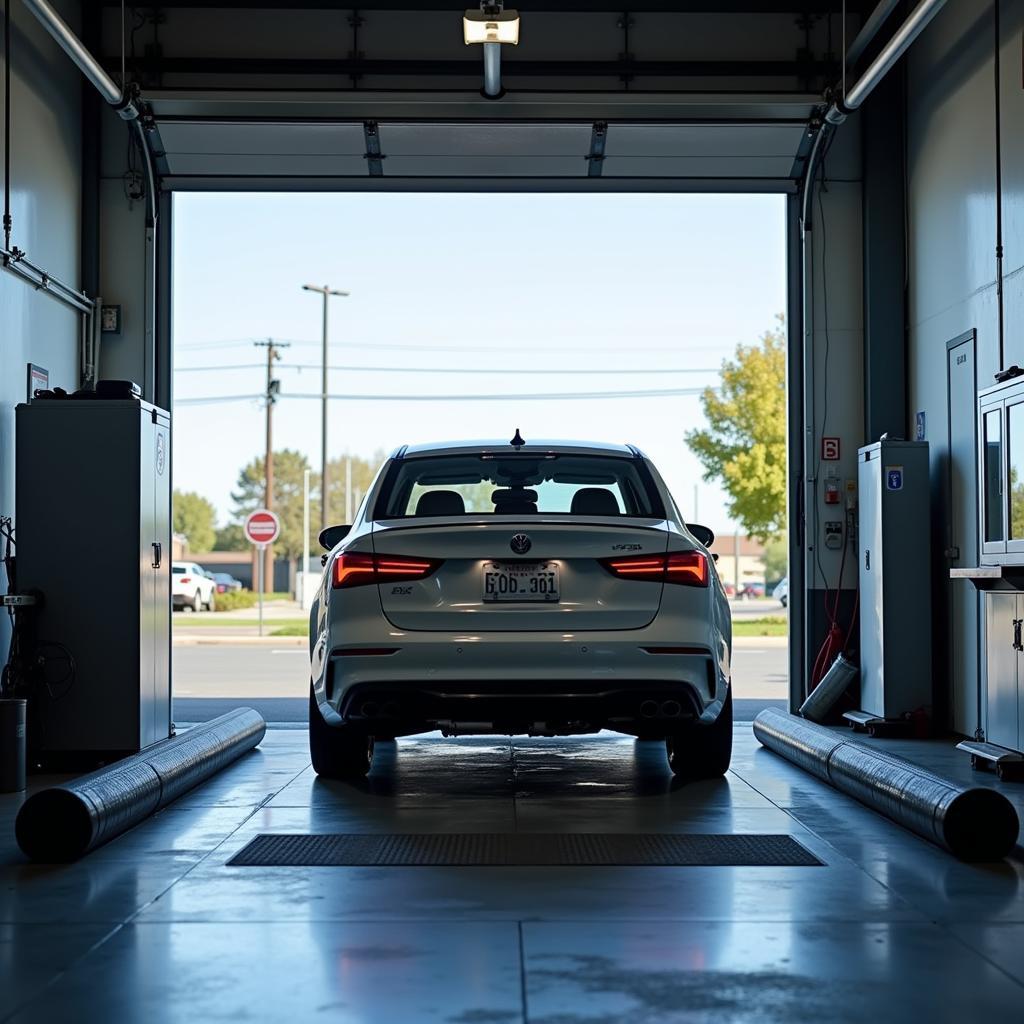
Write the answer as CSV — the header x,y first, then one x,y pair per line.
x,y
520,544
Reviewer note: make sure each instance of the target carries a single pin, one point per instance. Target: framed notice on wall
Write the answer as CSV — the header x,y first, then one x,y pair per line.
x,y
38,378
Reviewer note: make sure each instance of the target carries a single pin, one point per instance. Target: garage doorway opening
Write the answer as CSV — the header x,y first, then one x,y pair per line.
x,y
581,316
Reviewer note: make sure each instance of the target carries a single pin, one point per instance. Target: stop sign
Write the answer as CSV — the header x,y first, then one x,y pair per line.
x,y
262,527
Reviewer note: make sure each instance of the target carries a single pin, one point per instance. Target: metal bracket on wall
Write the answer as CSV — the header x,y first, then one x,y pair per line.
x,y
595,158
373,155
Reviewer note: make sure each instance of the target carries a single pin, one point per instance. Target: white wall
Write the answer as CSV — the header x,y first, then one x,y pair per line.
x,y
834,346
952,219
46,210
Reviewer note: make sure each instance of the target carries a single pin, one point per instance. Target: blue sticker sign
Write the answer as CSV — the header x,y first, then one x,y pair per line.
x,y
894,478
920,427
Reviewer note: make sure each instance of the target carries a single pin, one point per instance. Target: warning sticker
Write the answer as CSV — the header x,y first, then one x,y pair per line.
x,y
894,478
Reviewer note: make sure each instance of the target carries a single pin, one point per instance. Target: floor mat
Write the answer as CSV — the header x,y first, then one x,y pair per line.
x,y
524,849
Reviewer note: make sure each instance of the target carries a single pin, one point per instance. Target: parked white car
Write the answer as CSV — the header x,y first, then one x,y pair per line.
x,y
192,587
543,589
781,591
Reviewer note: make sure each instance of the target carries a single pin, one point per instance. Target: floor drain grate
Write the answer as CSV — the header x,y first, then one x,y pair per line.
x,y
524,849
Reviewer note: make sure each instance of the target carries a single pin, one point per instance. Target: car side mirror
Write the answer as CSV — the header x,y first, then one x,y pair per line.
x,y
702,533
332,535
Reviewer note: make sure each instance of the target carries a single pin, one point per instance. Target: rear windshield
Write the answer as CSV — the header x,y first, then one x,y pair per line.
x,y
520,484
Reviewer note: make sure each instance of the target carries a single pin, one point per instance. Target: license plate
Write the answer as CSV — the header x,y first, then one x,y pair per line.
x,y
521,581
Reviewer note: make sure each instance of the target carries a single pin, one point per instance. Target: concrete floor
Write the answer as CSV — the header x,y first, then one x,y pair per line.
x,y
154,927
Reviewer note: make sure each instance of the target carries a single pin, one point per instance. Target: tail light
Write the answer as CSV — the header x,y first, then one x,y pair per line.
x,y
356,569
185,579
689,568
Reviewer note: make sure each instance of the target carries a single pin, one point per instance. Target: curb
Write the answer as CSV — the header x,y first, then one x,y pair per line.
x,y
223,640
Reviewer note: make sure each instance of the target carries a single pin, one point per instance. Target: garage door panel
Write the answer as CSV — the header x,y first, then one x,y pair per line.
x,y
697,167
266,164
780,140
485,166
260,138
490,140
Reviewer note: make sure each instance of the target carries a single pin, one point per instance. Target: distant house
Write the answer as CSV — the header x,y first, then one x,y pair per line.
x,y
740,561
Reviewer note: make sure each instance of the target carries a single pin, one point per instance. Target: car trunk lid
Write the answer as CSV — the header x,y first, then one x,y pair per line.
x,y
507,573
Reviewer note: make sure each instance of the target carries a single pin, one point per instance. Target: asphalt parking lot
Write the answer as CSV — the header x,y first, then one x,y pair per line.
x,y
211,677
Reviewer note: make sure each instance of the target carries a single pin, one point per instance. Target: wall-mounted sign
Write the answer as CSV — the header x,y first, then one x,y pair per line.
x,y
38,379
110,319
920,427
830,449
894,478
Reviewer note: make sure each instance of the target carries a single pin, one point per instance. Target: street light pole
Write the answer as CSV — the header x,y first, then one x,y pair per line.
x,y
325,292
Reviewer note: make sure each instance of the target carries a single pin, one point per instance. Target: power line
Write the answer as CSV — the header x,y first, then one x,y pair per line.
x,y
504,371
502,397
585,349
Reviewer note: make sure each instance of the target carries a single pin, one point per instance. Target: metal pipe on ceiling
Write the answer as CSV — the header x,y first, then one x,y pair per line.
x,y
870,29
82,58
919,19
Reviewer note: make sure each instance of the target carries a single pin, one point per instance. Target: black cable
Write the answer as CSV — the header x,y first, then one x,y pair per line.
x,y
824,419
998,193
7,125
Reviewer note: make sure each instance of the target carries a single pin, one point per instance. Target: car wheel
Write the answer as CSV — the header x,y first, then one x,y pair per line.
x,y
212,603
703,751
783,601
197,602
337,752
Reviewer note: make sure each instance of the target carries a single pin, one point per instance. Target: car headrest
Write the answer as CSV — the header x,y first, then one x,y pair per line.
x,y
440,503
508,502
594,501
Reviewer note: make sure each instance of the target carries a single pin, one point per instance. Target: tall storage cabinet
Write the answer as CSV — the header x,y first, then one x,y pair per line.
x,y
895,578
93,508
1004,621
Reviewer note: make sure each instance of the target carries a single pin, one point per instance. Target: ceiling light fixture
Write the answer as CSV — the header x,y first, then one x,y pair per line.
x,y
492,26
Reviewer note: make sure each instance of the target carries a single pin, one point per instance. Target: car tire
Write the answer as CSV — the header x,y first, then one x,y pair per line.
x,y
337,752
197,602
212,603
783,601
703,751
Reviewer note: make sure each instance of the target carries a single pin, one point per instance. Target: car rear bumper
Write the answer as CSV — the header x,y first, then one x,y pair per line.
x,y
546,708
639,682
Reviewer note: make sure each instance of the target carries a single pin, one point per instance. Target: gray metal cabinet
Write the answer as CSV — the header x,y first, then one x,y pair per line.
x,y
93,503
895,578
1004,620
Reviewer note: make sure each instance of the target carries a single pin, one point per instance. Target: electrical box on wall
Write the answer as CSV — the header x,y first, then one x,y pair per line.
x,y
93,503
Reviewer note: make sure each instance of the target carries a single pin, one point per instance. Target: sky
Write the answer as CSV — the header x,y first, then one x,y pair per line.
x,y
622,293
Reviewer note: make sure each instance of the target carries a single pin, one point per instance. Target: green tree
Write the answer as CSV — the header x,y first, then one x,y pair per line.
x,y
194,517
289,467
231,538
744,444
776,558
363,472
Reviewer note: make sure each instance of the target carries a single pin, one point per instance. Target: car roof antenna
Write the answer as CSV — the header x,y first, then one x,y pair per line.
x,y
517,442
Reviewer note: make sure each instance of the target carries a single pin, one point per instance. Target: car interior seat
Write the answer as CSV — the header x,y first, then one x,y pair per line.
x,y
594,501
440,503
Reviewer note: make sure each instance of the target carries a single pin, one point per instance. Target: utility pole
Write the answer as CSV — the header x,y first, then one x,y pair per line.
x,y
270,397
326,293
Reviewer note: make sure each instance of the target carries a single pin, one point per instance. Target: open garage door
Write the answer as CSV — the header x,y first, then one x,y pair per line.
x,y
239,141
